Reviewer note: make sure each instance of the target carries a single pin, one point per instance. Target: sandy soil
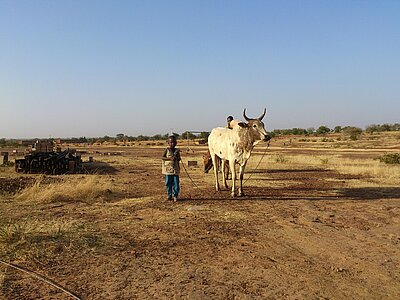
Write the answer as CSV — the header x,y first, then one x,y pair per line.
x,y
299,233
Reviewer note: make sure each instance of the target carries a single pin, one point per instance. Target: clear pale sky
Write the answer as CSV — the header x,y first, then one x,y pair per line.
x,y
96,68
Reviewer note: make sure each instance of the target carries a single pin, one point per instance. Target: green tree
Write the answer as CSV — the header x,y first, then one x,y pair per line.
x,y
310,130
120,136
352,132
142,138
204,135
337,129
323,130
299,131
157,137
188,135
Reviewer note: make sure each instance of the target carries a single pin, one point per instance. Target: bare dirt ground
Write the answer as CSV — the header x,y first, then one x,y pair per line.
x,y
301,232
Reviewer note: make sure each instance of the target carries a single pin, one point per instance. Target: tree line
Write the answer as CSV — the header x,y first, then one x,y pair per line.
x,y
352,131
337,129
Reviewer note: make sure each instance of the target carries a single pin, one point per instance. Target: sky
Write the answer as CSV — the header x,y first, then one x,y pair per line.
x,y
93,68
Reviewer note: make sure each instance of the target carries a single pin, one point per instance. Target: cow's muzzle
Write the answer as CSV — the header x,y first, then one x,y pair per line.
x,y
267,138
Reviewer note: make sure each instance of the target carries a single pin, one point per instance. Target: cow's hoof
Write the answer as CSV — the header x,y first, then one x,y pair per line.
x,y
233,195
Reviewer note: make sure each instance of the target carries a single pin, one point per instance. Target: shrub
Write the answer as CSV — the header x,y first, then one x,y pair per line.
x,y
323,130
390,158
324,161
352,132
279,158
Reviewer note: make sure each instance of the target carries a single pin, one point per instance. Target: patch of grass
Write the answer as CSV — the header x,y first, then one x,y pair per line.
x,y
310,159
279,158
369,168
45,241
324,161
390,158
87,189
386,174
13,233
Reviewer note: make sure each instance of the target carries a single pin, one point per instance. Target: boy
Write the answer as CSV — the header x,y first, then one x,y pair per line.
x,y
229,119
171,168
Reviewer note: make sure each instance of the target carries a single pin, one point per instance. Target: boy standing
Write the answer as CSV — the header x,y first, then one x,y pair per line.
x,y
171,168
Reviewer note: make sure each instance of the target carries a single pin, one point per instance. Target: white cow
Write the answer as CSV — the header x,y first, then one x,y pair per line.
x,y
235,145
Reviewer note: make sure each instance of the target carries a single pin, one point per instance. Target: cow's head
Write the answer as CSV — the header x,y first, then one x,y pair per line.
x,y
256,126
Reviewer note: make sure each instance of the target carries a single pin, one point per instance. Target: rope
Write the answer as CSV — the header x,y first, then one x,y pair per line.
x,y
265,151
195,185
37,276
183,165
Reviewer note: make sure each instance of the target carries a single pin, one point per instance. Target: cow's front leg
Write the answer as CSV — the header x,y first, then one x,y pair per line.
x,y
232,165
241,175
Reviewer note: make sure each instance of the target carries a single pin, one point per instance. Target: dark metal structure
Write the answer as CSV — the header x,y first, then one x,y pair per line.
x,y
52,162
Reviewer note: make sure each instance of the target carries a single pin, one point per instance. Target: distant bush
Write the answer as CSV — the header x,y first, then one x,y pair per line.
x,y
326,140
293,131
381,128
390,158
352,132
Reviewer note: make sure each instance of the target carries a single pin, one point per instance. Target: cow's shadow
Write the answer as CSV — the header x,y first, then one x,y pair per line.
x,y
301,194
370,193
282,171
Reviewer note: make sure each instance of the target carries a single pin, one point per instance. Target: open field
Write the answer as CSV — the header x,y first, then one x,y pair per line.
x,y
320,220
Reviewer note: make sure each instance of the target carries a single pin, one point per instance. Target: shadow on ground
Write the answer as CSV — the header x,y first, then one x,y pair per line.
x,y
370,193
99,167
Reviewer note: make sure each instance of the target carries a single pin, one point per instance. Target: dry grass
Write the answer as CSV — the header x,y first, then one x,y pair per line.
x,y
44,241
371,168
117,160
87,189
386,174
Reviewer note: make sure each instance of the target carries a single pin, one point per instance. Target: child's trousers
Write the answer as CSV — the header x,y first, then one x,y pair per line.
x,y
172,183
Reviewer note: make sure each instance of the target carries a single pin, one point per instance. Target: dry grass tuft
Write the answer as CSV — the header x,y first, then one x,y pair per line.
x,y
87,189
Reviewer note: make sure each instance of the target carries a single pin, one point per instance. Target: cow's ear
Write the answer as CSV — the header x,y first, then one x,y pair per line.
x,y
242,124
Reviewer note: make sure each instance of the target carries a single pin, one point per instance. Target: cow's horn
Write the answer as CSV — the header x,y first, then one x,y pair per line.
x,y
244,115
262,116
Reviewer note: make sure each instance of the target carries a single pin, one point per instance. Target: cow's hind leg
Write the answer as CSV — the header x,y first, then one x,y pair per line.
x,y
223,168
214,159
241,175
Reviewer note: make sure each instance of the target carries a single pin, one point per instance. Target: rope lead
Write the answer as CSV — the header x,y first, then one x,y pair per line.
x,y
37,276
195,185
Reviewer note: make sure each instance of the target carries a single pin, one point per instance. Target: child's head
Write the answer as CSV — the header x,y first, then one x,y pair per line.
x,y
172,141
229,119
